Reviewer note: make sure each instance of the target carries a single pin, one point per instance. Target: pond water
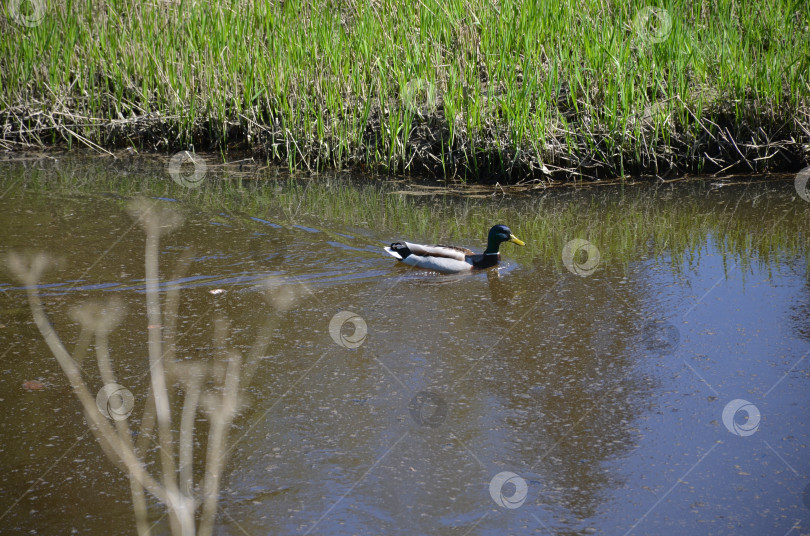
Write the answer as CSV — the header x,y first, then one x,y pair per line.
x,y
663,388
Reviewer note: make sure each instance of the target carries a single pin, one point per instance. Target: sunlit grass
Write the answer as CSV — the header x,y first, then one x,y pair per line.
x,y
484,88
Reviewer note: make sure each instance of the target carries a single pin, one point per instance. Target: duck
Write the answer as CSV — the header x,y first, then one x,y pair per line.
x,y
452,259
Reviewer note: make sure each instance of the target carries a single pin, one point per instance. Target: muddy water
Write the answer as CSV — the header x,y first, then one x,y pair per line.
x,y
649,394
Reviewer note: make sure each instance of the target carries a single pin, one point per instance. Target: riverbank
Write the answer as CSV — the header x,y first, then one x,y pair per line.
x,y
468,90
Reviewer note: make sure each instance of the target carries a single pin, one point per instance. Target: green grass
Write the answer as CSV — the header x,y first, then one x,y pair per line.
x,y
458,88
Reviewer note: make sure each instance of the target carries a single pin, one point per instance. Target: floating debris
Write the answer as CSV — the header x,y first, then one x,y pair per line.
x,y
33,385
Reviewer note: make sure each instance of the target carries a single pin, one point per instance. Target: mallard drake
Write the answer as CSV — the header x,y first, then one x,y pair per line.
x,y
451,259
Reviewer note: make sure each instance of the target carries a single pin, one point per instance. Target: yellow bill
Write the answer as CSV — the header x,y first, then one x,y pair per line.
x,y
516,240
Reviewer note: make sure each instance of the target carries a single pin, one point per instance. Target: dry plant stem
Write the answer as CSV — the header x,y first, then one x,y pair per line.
x,y
181,509
139,506
220,403
82,344
103,357
146,433
193,389
115,449
172,304
121,426
147,426
222,415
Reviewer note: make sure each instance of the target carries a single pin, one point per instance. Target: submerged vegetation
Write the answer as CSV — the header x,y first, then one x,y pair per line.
x,y
471,89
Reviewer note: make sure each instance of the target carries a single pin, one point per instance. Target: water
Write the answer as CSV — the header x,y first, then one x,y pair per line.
x,y
603,393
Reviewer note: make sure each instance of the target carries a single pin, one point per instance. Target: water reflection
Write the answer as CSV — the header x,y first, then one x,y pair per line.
x,y
604,393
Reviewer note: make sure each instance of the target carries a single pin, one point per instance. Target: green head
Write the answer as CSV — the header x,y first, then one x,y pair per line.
x,y
499,234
